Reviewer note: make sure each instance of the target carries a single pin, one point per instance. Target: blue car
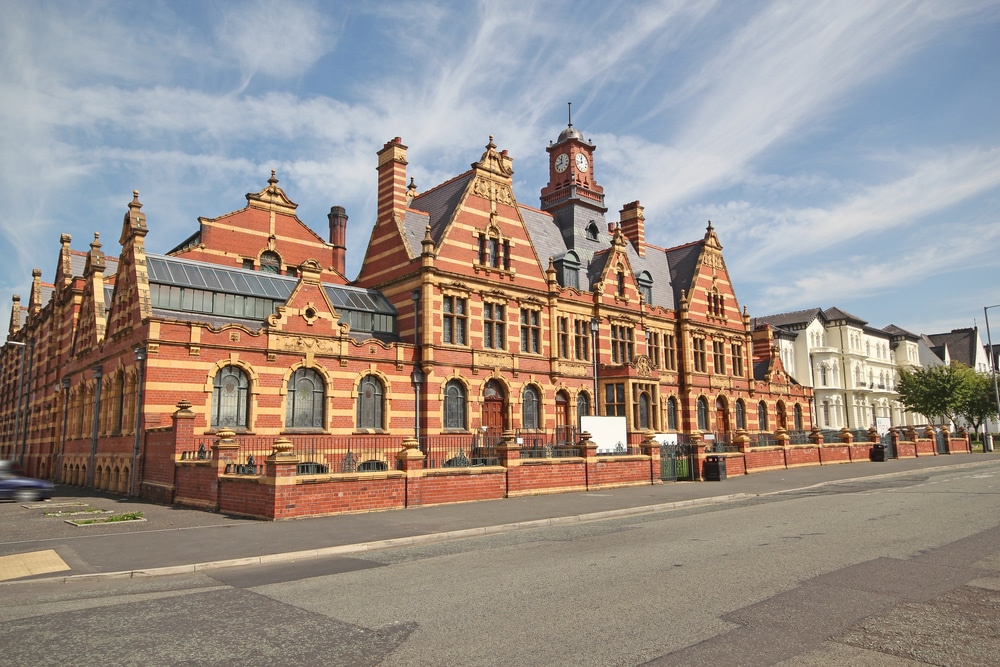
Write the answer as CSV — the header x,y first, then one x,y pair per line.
x,y
22,489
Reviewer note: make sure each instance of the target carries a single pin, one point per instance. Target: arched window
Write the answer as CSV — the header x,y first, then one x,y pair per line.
x,y
304,405
644,411
230,397
741,414
371,403
529,411
592,231
621,283
823,381
762,416
582,407
782,415
702,414
270,262
672,414
798,417
454,405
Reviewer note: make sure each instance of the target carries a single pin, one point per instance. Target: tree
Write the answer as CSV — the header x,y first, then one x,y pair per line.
x,y
935,391
980,402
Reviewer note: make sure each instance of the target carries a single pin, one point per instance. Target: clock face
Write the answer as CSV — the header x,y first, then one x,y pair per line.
x,y
562,162
581,162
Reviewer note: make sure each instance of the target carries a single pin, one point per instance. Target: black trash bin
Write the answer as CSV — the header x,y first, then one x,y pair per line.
x,y
715,468
877,453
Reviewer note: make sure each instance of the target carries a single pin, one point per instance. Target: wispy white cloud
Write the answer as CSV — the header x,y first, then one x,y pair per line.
x,y
937,182
275,39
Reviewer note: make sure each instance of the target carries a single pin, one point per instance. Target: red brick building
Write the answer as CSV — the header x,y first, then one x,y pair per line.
x,y
473,314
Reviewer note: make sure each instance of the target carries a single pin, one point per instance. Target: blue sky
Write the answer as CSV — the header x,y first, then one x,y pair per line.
x,y
847,153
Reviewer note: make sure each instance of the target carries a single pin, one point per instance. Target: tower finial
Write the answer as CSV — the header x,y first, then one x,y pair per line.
x,y
569,113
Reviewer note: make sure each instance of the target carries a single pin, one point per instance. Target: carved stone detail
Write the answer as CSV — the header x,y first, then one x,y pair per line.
x,y
489,189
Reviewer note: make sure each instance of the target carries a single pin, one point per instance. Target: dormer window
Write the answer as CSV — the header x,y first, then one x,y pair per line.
x,y
494,252
568,270
646,287
592,231
716,303
270,262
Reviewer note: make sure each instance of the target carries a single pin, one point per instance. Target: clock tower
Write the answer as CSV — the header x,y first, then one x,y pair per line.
x,y
572,194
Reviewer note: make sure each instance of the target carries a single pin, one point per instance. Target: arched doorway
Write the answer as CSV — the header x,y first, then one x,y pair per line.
x,y
494,411
722,417
564,432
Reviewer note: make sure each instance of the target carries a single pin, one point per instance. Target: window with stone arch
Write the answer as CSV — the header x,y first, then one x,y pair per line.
x,y
592,231
530,408
762,416
582,407
371,403
702,414
270,262
455,405
305,400
620,278
741,414
645,411
671,414
798,417
230,398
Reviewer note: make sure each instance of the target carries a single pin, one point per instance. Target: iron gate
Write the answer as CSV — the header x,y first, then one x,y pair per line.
x,y
942,442
675,462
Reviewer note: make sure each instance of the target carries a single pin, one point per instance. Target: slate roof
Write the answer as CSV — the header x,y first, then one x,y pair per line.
x,y
838,314
961,344
437,206
795,319
682,261
893,330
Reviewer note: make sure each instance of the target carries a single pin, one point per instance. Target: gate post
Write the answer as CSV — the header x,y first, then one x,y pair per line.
x,y
651,448
411,461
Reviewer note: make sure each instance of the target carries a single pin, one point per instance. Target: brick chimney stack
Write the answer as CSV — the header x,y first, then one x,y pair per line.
x,y
338,238
633,223
391,180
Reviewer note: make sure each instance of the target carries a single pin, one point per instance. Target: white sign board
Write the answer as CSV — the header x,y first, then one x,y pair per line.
x,y
666,438
882,425
606,432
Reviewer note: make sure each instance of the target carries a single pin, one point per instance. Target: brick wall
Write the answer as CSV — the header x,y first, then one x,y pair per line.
x,y
536,476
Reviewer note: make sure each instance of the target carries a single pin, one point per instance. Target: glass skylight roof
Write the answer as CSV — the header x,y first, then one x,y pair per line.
x,y
186,273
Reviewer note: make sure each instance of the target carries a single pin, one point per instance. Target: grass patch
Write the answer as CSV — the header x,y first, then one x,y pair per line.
x,y
114,518
76,512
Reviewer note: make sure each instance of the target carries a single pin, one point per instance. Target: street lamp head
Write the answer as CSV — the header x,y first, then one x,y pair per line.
x,y
595,324
140,353
15,342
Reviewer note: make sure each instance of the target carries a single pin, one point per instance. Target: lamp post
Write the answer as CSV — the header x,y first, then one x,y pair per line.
x,y
595,324
993,361
20,388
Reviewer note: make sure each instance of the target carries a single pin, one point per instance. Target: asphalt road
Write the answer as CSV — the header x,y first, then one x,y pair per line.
x,y
901,570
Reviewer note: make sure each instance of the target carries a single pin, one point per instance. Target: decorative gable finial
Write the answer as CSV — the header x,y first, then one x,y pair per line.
x,y
497,163
711,238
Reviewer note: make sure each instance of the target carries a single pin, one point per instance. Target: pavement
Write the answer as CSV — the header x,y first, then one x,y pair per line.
x,y
37,542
